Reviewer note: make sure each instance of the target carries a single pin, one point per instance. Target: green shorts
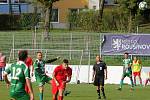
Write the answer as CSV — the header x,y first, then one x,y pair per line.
x,y
128,74
41,80
24,97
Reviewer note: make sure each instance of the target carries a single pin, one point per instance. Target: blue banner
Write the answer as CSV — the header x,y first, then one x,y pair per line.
x,y
119,44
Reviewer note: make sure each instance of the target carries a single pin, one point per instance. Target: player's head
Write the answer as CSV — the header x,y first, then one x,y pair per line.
x,y
65,63
135,58
22,55
98,58
126,55
39,55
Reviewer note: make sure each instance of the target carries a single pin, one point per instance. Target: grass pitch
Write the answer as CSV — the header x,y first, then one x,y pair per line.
x,y
88,92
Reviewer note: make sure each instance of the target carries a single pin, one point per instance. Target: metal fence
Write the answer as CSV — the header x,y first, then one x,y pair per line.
x,y
69,45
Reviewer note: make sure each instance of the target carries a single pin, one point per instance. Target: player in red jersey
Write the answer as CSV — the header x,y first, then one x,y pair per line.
x,y
61,75
29,64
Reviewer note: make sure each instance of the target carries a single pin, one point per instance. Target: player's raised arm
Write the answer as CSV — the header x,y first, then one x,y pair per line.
x,y
52,60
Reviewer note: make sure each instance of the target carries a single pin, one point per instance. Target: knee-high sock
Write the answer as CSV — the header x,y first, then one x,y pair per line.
x,y
41,96
98,92
54,98
146,81
140,80
131,82
60,97
121,83
103,91
134,80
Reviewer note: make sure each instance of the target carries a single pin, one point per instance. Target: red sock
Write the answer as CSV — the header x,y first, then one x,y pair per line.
x,y
141,82
60,97
146,82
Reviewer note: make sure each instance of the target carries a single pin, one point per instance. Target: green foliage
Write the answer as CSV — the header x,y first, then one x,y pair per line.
x,y
86,20
47,3
9,22
135,15
14,22
28,20
113,19
128,4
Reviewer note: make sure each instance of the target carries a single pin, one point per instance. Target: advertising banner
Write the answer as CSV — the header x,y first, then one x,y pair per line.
x,y
119,44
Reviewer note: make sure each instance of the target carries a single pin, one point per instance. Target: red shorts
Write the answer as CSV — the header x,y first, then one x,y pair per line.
x,y
27,89
56,88
136,74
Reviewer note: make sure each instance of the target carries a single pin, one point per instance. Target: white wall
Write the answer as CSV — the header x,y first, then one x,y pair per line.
x,y
96,3
84,73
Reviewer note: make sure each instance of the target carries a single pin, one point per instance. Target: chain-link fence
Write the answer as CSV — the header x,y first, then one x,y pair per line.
x,y
68,45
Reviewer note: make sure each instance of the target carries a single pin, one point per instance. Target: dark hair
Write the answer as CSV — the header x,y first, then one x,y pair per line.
x,y
39,52
126,53
23,55
65,61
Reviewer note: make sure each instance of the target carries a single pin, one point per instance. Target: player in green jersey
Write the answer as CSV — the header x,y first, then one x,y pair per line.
x,y
20,76
127,71
39,70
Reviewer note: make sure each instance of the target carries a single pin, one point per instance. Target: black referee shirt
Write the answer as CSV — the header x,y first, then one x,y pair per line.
x,y
99,68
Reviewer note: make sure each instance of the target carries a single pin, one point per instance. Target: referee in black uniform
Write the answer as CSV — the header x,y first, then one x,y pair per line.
x,y
99,75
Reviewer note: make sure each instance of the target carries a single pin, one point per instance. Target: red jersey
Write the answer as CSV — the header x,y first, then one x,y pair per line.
x,y
61,74
29,61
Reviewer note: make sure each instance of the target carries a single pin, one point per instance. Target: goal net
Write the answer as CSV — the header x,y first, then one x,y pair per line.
x,y
75,57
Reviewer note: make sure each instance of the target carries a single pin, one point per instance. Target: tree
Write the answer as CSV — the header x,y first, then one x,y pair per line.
x,y
47,5
101,8
130,7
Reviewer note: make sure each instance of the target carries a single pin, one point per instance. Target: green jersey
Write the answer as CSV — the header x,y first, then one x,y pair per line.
x,y
18,72
39,66
126,64
39,70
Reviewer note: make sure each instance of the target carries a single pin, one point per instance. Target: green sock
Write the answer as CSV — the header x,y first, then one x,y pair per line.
x,y
41,96
132,83
121,83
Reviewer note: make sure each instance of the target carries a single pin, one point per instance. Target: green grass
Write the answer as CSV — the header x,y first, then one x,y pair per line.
x,y
88,92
